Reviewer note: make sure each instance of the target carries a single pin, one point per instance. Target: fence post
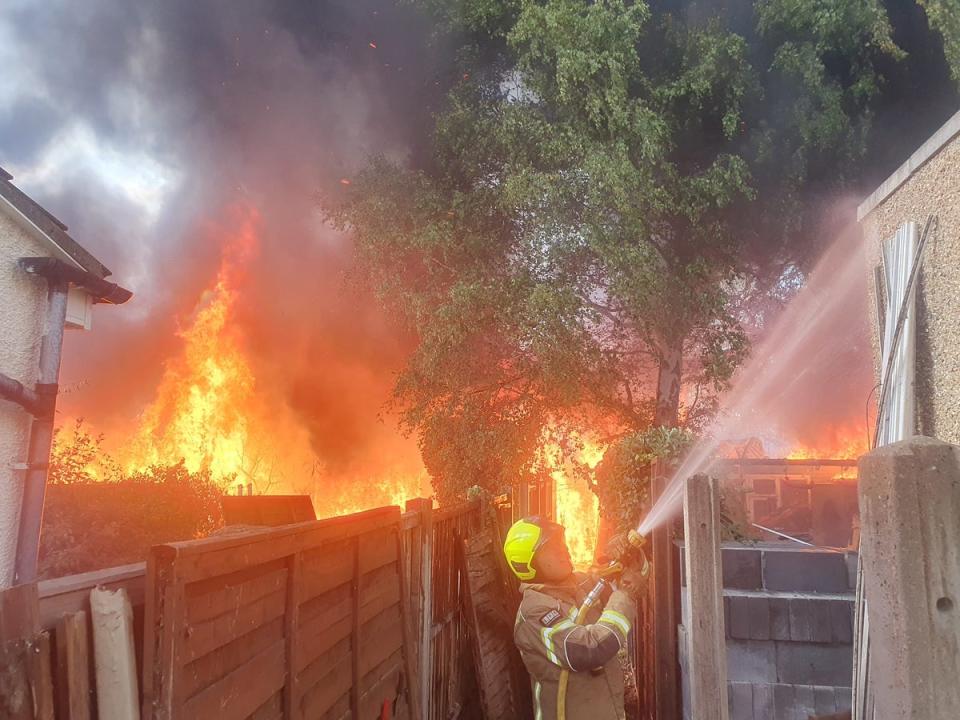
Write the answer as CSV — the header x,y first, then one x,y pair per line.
x,y
706,644
424,506
73,666
114,654
910,560
665,586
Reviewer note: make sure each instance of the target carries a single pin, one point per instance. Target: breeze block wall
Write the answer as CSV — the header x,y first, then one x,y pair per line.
x,y
788,614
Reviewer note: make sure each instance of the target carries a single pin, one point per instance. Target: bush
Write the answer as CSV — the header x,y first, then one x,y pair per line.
x,y
89,524
623,476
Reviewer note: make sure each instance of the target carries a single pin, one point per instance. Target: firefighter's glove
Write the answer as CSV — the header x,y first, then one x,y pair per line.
x,y
617,547
634,581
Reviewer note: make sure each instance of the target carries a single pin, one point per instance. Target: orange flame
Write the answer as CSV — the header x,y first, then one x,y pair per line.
x,y
209,411
577,505
198,411
839,442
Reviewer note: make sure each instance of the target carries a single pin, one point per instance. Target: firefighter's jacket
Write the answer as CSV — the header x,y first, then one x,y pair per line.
x,y
550,641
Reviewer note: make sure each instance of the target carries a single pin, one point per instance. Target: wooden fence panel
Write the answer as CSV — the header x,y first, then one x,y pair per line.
x,y
302,621
231,615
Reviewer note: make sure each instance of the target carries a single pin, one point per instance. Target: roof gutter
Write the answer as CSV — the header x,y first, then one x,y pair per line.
x,y
55,270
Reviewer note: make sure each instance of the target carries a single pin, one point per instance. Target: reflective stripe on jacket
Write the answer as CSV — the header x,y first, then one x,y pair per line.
x,y
550,641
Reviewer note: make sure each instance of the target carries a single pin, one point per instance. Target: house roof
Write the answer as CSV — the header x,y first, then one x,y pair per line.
x,y
46,227
931,147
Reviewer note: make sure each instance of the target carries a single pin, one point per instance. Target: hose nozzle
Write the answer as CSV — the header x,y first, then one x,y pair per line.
x,y
637,543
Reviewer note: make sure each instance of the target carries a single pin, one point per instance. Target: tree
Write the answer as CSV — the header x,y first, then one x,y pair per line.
x,y
944,16
604,181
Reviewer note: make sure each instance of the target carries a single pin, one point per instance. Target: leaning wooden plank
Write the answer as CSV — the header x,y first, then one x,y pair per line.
x,y
490,629
73,667
71,594
706,648
244,690
114,654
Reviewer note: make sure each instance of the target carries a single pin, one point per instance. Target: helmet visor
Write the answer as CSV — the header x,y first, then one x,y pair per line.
x,y
548,531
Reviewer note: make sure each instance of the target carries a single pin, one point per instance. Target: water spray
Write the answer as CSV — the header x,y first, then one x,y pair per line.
x,y
794,346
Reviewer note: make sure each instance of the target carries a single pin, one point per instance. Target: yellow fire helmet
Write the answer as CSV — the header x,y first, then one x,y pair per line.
x,y
524,538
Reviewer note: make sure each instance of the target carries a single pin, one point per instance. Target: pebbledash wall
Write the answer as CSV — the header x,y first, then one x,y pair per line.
x,y
927,183
23,303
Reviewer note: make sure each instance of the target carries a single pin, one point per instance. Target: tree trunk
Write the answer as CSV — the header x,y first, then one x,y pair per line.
x,y
668,384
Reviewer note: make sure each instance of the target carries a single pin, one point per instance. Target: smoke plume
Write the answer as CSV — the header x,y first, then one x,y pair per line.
x,y
141,125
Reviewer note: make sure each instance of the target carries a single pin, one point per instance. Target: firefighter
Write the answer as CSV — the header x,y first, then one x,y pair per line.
x,y
549,639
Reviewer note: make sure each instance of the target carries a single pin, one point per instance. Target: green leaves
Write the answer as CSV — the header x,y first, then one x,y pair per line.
x,y
944,16
623,477
580,58
597,190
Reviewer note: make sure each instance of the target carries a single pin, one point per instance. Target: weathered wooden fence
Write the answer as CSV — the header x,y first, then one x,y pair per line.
x,y
656,652
264,623
445,663
304,620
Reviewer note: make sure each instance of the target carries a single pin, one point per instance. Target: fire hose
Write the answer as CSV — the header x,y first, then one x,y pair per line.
x,y
634,554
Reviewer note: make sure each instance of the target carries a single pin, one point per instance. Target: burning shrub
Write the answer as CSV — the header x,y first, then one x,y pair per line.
x,y
96,516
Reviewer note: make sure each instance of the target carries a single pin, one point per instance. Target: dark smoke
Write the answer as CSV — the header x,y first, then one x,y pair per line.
x,y
264,103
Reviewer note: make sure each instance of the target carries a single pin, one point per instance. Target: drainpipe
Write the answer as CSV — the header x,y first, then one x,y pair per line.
x,y
41,435
41,402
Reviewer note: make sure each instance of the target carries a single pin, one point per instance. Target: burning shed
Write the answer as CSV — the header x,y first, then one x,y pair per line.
x,y
48,281
812,499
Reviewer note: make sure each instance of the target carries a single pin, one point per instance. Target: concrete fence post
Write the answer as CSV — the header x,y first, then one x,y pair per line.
x,y
706,642
115,657
910,557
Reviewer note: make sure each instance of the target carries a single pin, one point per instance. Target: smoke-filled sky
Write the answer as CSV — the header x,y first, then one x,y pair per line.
x,y
143,125
140,125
